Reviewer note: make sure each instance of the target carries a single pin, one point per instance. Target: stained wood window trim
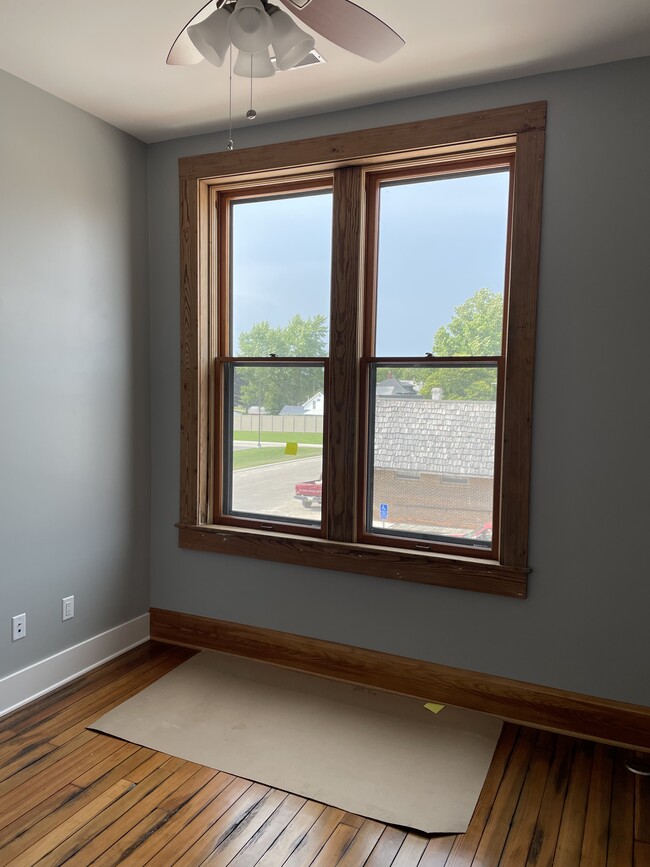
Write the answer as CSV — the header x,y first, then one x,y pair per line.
x,y
348,156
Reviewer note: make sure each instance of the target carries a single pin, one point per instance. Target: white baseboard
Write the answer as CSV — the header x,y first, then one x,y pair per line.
x,y
42,677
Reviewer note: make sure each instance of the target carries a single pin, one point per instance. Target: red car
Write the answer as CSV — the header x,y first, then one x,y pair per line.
x,y
484,532
309,493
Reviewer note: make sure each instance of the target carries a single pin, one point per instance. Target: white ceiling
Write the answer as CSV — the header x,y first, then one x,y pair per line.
x,y
108,56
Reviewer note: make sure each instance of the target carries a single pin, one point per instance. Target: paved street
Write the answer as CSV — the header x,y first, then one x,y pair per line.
x,y
269,490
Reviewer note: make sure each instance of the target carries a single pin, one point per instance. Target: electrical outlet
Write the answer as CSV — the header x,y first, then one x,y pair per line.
x,y
67,608
18,626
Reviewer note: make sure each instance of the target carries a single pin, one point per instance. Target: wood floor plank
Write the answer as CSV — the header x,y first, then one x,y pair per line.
x,y
8,787
335,846
464,848
313,841
387,848
24,759
596,831
437,852
569,841
67,851
364,842
35,824
546,830
193,830
172,775
66,829
201,777
218,831
205,798
353,819
130,841
493,837
155,761
39,788
10,748
233,844
89,777
293,834
269,832
410,851
620,844
519,838
16,836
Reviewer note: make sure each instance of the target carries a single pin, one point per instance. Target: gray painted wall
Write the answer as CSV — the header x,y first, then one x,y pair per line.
x,y
74,375
584,625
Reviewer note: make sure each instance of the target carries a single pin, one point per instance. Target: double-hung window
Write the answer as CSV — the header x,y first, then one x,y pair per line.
x,y
358,329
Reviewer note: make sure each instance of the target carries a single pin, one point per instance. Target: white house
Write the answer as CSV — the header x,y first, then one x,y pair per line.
x,y
315,405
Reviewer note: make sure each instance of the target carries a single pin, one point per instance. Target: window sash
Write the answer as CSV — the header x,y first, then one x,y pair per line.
x,y
366,454
222,474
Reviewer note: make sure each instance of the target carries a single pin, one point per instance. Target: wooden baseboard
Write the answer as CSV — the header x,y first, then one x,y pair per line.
x,y
512,700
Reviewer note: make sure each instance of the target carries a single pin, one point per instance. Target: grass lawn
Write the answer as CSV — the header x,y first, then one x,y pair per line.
x,y
246,458
268,436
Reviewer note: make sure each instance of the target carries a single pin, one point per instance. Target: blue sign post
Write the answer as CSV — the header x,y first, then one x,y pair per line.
x,y
383,511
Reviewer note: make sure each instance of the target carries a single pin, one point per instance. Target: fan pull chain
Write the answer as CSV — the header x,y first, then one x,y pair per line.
x,y
251,114
231,144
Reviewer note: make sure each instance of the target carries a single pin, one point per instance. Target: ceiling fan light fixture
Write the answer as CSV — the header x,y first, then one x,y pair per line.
x,y
290,43
210,36
261,65
249,27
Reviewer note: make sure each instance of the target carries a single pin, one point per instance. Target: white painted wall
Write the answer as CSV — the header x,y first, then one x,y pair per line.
x,y
584,625
74,375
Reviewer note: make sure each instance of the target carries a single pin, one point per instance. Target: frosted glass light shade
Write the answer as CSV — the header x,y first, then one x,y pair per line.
x,y
262,66
211,37
250,26
290,43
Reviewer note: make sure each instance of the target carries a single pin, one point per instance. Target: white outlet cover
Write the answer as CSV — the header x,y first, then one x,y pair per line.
x,y
18,627
67,608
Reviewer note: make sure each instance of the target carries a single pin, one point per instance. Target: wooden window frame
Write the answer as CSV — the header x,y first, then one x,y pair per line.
x,y
350,156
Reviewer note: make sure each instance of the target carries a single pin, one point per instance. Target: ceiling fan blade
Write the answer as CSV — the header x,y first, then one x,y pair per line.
x,y
183,52
348,25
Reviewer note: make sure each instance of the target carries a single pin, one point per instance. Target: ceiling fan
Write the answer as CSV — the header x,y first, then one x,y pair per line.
x,y
252,26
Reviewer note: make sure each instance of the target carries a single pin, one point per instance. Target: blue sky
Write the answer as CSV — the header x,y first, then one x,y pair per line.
x,y
439,242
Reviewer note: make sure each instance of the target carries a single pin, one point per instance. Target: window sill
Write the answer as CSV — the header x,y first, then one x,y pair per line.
x,y
462,573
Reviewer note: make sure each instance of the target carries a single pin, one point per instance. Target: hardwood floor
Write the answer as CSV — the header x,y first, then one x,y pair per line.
x,y
75,797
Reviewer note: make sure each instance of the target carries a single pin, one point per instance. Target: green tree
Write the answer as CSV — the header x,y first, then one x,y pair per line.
x,y
475,329
276,387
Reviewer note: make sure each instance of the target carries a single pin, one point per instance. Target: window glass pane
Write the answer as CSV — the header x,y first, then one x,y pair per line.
x,y
431,470
273,450
441,265
280,275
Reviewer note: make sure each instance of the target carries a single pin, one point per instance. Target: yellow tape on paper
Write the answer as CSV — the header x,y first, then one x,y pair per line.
x,y
433,707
